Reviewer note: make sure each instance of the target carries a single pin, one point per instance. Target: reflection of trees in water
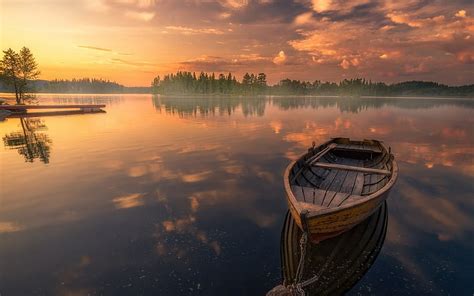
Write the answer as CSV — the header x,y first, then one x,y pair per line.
x,y
356,105
29,142
89,100
253,106
210,106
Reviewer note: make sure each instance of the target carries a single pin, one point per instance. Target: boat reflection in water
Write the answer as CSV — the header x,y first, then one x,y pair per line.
x,y
335,265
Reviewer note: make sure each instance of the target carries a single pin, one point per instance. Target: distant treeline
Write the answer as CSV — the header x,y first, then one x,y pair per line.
x,y
82,85
189,83
256,84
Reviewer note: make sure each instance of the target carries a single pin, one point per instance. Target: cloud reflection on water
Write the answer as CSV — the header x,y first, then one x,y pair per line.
x,y
198,185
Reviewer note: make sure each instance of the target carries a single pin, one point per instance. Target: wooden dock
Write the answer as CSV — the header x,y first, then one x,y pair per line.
x,y
24,108
51,113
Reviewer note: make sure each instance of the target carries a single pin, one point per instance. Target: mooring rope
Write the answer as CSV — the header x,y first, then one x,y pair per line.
x,y
297,288
298,285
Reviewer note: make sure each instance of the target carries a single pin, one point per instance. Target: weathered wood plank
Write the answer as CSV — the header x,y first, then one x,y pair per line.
x,y
329,179
317,156
320,172
309,194
357,190
26,107
313,195
351,168
339,198
378,162
359,184
361,148
313,158
373,182
311,178
348,184
298,192
53,113
335,187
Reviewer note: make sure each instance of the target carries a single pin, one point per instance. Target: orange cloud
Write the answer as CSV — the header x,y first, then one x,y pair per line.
x,y
189,31
280,59
461,13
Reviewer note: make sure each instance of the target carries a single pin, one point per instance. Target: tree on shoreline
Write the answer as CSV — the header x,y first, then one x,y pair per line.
x,y
186,83
18,69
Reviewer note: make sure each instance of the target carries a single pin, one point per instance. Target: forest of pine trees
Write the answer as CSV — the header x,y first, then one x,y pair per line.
x,y
251,84
75,86
83,85
190,83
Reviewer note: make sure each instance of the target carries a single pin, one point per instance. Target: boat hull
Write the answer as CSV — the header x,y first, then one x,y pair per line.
x,y
321,227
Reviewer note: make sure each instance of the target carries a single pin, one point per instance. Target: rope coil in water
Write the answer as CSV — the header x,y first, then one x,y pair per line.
x,y
297,287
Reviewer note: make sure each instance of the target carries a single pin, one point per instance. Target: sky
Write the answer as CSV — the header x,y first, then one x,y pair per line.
x,y
132,41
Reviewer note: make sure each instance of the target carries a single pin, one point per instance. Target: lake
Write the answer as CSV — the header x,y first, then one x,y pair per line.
x,y
180,196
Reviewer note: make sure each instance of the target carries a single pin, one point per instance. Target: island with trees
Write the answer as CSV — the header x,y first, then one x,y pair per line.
x,y
190,83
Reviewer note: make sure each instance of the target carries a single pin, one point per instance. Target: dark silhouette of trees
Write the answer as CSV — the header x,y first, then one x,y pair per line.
x,y
209,83
187,83
190,83
82,85
28,71
18,70
10,69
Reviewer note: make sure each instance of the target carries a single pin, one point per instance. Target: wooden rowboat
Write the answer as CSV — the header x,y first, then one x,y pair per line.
x,y
338,184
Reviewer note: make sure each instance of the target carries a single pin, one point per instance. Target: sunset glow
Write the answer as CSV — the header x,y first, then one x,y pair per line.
x,y
131,41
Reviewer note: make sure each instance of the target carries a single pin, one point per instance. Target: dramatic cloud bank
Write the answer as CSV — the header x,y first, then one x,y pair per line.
x,y
319,39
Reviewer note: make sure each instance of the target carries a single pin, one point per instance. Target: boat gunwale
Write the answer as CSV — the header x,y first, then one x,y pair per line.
x,y
319,212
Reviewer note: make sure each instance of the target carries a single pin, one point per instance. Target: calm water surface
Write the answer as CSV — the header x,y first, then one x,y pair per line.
x,y
177,196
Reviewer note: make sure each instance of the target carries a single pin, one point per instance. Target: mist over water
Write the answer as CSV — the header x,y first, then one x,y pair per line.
x,y
168,195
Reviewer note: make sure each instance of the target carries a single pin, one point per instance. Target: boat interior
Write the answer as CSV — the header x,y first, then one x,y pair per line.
x,y
340,171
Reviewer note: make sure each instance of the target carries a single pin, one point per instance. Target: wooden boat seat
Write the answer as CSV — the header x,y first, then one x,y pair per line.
x,y
351,168
352,147
360,148
322,198
320,154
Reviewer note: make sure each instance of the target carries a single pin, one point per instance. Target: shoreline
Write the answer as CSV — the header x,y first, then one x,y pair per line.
x,y
10,96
